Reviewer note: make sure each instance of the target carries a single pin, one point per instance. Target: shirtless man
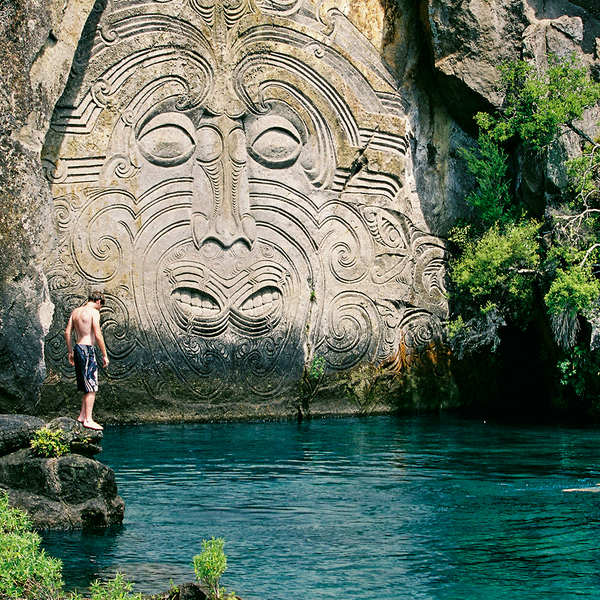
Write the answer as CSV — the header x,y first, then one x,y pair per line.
x,y
86,322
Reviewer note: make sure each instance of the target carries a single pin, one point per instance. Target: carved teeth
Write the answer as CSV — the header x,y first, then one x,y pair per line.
x,y
195,303
261,302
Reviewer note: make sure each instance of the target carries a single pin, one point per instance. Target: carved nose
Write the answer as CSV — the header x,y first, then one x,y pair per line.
x,y
221,199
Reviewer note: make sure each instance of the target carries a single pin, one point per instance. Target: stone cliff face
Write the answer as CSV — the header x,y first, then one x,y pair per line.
x,y
37,44
443,55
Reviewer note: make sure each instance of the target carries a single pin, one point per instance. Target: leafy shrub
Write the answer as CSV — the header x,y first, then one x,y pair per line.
x,y
488,163
573,290
317,367
48,443
113,589
26,572
210,564
497,270
538,103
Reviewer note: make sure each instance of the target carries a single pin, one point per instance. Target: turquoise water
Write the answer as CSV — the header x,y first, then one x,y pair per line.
x,y
385,508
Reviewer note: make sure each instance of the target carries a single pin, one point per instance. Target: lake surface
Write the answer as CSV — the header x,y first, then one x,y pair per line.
x,y
384,508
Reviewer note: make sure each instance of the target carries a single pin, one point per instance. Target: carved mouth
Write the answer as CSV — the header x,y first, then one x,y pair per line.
x,y
261,303
195,304
199,313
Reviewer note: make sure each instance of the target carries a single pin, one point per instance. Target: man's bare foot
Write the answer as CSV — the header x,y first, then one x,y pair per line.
x,y
93,425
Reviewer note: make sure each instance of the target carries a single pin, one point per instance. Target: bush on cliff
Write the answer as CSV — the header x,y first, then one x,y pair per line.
x,y
533,269
48,443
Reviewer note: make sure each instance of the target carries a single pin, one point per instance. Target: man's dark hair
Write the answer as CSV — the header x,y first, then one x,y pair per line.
x,y
95,296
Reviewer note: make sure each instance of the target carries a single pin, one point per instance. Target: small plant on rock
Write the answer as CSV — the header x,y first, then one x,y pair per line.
x,y
48,443
209,565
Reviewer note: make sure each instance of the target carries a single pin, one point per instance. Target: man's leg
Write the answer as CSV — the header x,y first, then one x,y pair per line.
x,y
81,417
86,408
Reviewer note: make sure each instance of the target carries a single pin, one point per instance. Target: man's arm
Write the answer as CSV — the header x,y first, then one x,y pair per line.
x,y
99,338
69,339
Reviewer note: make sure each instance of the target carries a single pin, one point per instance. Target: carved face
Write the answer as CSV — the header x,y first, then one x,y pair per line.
x,y
236,188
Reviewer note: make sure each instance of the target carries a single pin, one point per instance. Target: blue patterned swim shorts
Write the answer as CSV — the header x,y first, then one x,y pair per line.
x,y
86,368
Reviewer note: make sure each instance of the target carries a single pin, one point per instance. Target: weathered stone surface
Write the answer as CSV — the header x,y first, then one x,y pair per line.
x,y
468,41
238,180
16,432
337,176
37,41
70,492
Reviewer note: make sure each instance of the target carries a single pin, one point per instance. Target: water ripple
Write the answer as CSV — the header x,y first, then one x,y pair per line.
x,y
378,509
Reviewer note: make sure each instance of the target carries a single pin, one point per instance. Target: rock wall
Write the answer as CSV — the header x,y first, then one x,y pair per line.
x,y
409,186
37,43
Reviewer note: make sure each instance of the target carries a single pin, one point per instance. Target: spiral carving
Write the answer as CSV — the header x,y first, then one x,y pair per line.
x,y
100,92
349,254
430,276
419,330
349,339
54,172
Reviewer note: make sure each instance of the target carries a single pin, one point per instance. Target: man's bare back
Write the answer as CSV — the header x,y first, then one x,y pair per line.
x,y
85,321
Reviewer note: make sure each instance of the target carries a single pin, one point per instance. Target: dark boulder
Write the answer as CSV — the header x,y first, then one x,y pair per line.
x,y
184,591
16,432
70,492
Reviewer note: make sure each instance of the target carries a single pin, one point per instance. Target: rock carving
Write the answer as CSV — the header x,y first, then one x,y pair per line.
x,y
233,175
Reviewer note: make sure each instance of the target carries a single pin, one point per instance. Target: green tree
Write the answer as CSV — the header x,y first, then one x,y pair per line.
x,y
540,103
497,270
488,162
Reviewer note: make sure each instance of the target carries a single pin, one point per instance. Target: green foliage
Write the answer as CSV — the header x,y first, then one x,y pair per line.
x,y
317,367
580,371
48,443
113,589
584,172
538,103
12,520
573,290
210,564
26,572
501,271
489,163
497,271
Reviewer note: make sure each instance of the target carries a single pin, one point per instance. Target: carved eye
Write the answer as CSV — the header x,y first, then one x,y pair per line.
x,y
210,144
165,141
277,148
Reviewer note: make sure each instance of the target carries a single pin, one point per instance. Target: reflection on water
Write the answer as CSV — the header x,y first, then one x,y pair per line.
x,y
382,509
